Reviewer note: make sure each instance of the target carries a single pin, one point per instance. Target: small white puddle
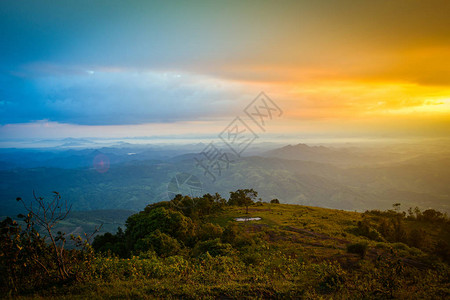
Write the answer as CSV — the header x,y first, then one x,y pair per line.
x,y
247,219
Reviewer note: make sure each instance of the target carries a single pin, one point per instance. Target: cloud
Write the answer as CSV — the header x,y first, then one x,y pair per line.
x,y
112,63
111,96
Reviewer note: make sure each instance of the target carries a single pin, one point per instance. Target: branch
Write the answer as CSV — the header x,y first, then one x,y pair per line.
x,y
97,229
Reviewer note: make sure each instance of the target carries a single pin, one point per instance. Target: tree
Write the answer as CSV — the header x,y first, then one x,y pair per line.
x,y
399,232
385,228
29,259
396,206
114,243
47,215
243,197
163,244
432,215
219,200
275,201
167,221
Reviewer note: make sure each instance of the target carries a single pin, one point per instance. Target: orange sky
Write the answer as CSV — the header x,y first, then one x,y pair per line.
x,y
365,68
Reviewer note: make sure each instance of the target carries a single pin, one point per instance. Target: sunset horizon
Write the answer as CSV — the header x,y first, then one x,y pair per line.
x,y
336,69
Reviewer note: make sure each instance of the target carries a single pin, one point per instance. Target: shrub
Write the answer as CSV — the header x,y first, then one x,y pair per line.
x,y
358,248
400,246
29,260
161,243
170,222
366,230
333,277
418,238
443,250
209,231
213,247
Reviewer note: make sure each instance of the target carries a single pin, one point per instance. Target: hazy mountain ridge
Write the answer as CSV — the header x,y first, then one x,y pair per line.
x,y
341,156
137,181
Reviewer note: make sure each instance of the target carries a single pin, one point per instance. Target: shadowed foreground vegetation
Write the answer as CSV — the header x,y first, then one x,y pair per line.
x,y
194,248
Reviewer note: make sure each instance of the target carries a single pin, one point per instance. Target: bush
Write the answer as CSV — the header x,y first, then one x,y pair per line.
x,y
366,230
275,201
333,277
209,231
358,248
418,238
213,247
161,243
29,260
443,250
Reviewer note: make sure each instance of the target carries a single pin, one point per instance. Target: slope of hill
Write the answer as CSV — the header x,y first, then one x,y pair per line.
x,y
293,251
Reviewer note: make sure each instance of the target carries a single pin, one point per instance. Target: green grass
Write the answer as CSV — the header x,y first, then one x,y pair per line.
x,y
299,252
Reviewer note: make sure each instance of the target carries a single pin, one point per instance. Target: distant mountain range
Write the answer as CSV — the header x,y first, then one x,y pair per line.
x,y
351,156
342,178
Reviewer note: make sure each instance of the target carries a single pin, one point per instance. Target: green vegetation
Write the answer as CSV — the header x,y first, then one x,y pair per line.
x,y
358,248
243,198
194,248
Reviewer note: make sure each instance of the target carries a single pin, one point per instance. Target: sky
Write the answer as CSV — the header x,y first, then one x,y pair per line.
x,y
188,68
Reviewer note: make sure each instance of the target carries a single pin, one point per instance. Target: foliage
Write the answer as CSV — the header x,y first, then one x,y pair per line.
x,y
172,251
243,197
47,215
425,230
31,260
213,247
365,229
161,243
358,248
114,243
170,222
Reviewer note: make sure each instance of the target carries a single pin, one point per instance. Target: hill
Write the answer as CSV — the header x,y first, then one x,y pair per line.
x,y
191,248
339,156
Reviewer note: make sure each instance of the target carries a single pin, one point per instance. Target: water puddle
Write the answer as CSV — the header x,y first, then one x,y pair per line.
x,y
247,219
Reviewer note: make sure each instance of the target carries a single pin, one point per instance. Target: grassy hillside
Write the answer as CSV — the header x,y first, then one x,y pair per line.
x,y
293,251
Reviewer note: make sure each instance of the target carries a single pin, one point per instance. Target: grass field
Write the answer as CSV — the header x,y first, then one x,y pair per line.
x,y
292,252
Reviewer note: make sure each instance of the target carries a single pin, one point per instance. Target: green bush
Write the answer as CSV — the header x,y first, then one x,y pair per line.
x,y
209,231
161,243
214,247
332,277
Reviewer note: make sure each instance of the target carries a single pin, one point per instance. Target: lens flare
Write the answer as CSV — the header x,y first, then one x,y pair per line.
x,y
101,163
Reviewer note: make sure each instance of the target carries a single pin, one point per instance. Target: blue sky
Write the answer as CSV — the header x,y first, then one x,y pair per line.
x,y
108,63
130,68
